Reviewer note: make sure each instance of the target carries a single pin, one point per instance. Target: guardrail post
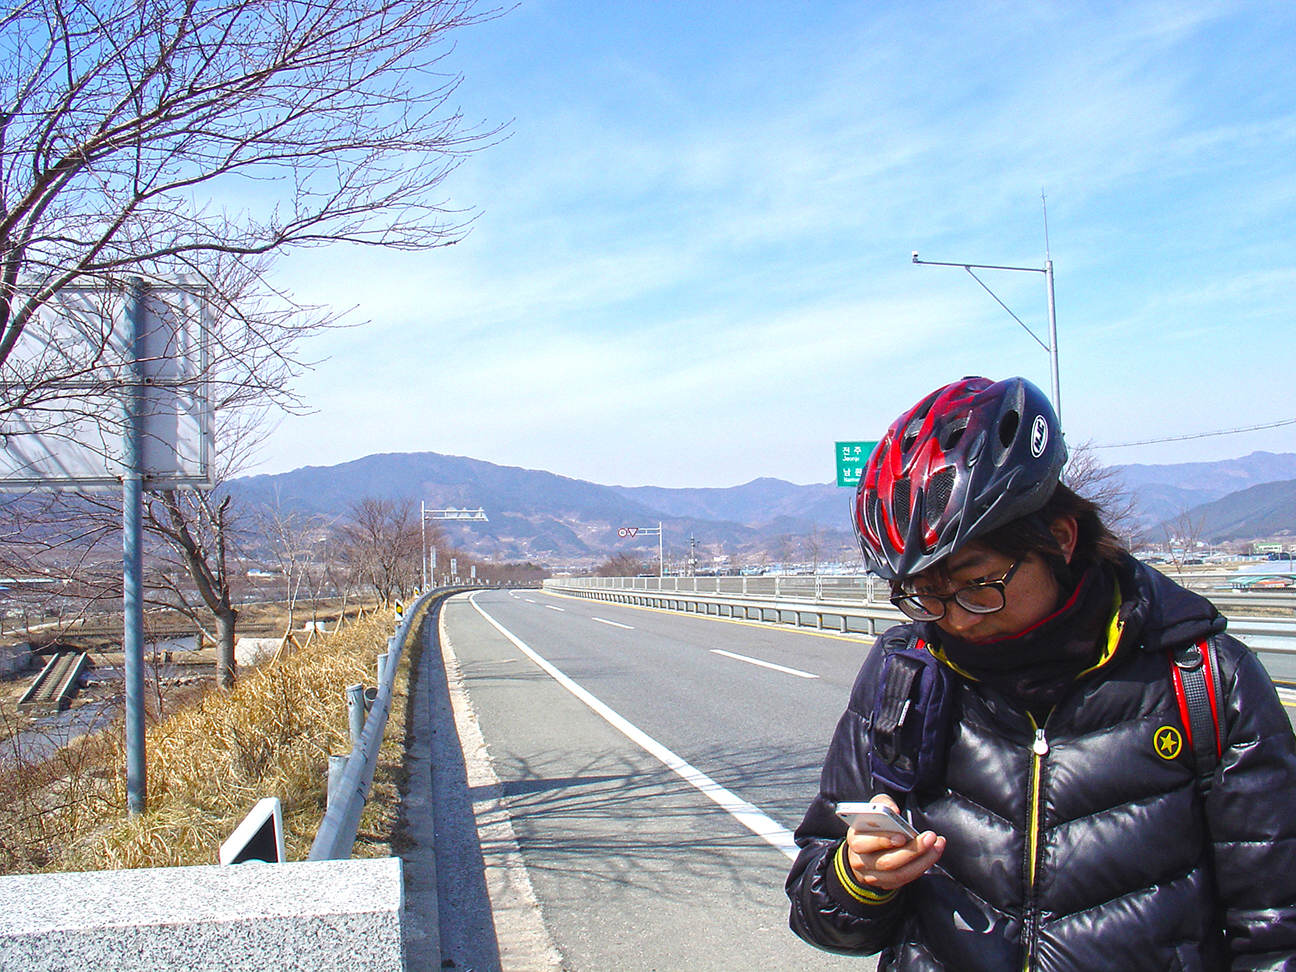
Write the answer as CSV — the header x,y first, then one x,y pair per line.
x,y
382,666
355,699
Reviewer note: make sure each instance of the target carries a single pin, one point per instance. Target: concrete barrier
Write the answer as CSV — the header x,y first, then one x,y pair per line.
x,y
314,915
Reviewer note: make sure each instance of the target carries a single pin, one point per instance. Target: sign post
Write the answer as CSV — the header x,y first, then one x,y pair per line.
x,y
139,416
478,515
132,551
648,532
852,457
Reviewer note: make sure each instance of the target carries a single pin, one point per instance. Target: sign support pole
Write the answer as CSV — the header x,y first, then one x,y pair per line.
x,y
132,551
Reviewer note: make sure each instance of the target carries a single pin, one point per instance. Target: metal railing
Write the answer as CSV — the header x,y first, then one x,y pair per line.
x,y
856,603
337,833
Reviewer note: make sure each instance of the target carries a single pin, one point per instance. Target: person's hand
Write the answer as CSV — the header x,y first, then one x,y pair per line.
x,y
889,861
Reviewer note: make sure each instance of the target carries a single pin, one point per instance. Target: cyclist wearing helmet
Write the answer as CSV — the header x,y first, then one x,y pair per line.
x,y
1065,828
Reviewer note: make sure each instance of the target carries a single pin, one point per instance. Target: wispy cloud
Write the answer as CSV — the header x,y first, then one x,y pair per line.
x,y
696,270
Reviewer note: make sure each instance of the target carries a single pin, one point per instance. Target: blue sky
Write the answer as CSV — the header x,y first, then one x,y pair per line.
x,y
690,262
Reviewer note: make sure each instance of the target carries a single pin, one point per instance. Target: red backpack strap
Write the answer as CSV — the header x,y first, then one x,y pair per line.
x,y
1194,671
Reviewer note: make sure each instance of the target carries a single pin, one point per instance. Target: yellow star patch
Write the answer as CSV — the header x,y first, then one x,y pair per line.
x,y
1168,742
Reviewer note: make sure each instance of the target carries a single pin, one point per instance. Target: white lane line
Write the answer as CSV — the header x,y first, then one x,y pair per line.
x,y
615,624
762,664
745,813
528,600
553,607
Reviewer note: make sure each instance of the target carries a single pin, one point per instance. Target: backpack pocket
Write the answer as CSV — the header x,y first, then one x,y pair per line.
x,y
910,721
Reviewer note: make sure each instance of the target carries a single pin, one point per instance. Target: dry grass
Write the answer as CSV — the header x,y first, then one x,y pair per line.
x,y
208,764
45,802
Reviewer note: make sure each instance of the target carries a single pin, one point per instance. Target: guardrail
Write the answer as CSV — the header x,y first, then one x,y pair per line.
x,y
856,604
337,832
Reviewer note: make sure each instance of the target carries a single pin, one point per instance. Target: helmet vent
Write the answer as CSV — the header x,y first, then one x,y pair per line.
x,y
1008,428
900,504
910,435
938,495
952,437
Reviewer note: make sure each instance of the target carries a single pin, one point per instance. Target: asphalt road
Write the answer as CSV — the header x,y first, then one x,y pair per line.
x,y
631,865
599,855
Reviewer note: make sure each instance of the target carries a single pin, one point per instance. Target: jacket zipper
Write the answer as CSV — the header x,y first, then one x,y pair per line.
x,y
1039,749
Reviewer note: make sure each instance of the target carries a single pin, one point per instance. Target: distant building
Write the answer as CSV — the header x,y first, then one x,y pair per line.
x,y
1266,575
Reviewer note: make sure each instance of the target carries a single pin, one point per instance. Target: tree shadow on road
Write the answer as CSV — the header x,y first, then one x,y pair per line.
x,y
622,822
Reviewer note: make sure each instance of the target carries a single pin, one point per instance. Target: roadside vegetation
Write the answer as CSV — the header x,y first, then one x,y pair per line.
x,y
209,762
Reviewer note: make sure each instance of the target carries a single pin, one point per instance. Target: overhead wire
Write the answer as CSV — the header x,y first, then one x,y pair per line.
x,y
1197,435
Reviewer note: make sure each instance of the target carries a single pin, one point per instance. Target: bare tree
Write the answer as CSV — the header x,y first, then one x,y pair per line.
x,y
383,540
293,539
194,569
786,550
624,564
814,546
1087,476
153,139
197,527
185,144
1182,535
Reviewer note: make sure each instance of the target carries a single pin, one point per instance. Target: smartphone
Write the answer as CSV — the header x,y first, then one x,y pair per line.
x,y
874,817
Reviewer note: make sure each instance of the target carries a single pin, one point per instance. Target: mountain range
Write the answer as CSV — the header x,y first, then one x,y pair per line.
x,y
537,515
1164,492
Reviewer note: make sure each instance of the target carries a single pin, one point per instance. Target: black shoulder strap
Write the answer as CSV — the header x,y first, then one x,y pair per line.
x,y
1198,687
894,701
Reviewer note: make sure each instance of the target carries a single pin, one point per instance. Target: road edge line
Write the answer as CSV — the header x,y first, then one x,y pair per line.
x,y
521,935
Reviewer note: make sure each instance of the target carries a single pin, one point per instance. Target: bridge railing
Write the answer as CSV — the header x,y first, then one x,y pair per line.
x,y
858,603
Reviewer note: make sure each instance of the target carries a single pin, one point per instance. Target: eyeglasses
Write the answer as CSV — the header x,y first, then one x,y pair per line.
x,y
986,597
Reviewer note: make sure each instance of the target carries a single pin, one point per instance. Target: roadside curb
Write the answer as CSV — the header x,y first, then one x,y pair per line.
x,y
421,920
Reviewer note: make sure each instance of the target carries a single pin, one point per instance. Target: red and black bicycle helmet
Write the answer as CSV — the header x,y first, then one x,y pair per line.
x,y
968,458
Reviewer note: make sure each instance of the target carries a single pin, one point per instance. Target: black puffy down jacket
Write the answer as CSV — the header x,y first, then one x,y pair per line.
x,y
1097,854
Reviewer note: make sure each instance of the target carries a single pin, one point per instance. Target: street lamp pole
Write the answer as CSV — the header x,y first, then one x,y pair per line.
x,y
1053,356
1052,346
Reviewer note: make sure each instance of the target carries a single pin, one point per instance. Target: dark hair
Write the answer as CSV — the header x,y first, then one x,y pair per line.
x,y
1031,534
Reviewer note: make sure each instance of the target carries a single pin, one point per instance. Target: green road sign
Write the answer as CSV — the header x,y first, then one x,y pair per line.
x,y
851,460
